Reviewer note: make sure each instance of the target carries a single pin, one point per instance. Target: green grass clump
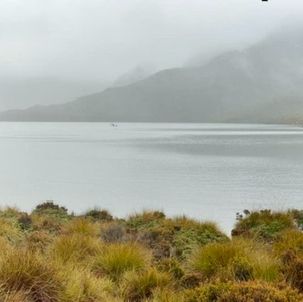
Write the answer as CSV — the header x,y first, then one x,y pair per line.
x,y
291,240
237,260
82,226
139,286
11,231
264,225
116,259
189,234
75,248
145,219
82,286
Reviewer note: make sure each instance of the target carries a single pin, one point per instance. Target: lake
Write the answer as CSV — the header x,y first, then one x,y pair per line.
x,y
206,171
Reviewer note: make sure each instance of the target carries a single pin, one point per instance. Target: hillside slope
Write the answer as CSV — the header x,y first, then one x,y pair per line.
x,y
260,84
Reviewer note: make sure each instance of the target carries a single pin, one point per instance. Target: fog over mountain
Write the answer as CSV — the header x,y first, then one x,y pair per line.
x,y
262,83
23,92
68,48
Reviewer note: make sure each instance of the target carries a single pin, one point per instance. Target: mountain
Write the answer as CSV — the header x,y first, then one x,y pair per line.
x,y
134,75
260,84
22,92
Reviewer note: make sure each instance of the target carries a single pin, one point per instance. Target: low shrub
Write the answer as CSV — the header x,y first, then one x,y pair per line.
x,y
98,215
175,237
114,232
25,221
118,258
298,217
51,209
264,225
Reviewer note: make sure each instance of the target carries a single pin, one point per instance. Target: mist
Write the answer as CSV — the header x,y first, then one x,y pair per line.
x,y
95,42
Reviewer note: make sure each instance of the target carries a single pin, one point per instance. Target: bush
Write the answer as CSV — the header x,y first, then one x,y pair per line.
x,y
25,221
139,286
174,237
118,258
21,270
113,232
298,217
99,215
264,225
52,209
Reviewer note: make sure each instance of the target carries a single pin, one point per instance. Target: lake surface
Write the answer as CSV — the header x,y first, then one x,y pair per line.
x,y
206,171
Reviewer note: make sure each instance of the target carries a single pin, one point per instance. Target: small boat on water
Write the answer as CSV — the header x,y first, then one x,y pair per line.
x,y
114,125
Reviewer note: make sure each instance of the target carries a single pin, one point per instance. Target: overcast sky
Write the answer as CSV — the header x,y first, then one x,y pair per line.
x,y
101,39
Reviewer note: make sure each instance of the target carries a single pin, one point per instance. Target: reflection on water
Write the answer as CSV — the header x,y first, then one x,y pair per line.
x,y
206,171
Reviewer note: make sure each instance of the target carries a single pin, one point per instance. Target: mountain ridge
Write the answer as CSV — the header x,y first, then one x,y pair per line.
x,y
259,84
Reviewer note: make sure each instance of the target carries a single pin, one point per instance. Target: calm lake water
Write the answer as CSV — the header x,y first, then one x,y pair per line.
x,y
205,171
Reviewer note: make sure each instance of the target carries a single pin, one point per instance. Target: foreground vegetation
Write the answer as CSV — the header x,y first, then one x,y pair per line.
x,y
52,255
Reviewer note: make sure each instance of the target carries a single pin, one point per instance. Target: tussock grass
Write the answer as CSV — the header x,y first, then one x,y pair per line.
x,y
118,258
82,286
138,286
22,270
51,255
242,292
238,260
75,248
82,226
10,230
15,296
291,240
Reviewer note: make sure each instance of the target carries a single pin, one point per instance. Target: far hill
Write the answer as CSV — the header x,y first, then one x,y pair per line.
x,y
260,84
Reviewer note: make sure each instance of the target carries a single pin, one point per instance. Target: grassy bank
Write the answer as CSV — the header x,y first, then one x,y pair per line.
x,y
52,255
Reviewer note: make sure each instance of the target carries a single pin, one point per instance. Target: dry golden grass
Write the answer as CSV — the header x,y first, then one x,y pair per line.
x,y
118,258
